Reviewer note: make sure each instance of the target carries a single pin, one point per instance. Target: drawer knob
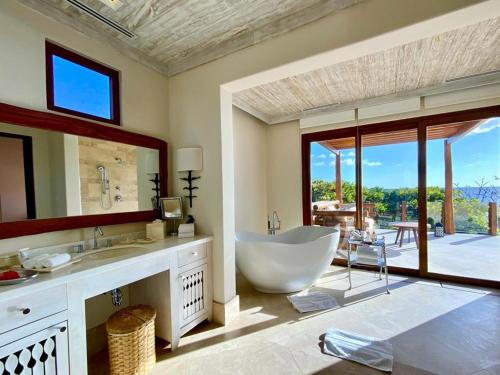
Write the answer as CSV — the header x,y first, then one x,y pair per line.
x,y
194,253
62,329
25,311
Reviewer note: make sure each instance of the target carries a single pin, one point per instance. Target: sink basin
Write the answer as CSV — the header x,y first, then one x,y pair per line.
x,y
111,252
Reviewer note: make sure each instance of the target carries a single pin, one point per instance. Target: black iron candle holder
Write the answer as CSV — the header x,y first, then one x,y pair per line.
x,y
190,187
155,201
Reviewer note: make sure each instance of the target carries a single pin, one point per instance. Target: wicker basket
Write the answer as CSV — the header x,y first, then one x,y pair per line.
x,y
131,340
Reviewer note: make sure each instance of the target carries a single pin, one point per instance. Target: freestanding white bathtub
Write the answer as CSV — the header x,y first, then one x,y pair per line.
x,y
287,262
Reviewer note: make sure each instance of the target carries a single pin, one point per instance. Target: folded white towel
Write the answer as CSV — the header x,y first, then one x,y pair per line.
x,y
366,350
55,260
312,301
34,262
186,228
368,252
46,261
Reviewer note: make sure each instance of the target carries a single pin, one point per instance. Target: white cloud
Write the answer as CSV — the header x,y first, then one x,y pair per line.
x,y
312,156
332,155
486,126
371,163
322,156
399,165
349,161
319,164
351,153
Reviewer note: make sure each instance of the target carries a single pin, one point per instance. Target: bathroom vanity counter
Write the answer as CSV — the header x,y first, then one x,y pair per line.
x,y
157,268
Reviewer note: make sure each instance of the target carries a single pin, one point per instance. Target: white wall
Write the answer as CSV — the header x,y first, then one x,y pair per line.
x,y
284,173
41,167
250,172
195,107
72,175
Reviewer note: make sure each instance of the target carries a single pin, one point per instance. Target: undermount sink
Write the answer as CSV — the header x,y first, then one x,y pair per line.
x,y
111,252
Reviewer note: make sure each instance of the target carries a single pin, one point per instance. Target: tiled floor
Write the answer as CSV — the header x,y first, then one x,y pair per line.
x,y
435,329
462,254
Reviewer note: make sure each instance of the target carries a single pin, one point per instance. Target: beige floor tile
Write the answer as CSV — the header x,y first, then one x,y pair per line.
x,y
434,330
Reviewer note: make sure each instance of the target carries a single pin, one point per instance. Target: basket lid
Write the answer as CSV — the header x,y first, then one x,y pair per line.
x,y
130,319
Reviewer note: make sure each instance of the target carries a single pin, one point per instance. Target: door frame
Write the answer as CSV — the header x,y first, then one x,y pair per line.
x,y
420,124
29,176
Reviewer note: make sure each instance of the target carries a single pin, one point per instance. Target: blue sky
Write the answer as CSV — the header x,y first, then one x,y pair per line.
x,y
81,89
475,156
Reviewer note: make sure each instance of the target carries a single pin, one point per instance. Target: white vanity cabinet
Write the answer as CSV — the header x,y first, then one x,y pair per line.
x,y
192,293
34,333
195,300
42,322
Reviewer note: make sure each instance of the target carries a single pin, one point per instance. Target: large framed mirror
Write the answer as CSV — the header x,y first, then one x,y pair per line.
x,y
59,172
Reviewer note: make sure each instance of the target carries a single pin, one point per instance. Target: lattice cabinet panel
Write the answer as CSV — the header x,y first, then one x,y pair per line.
x,y
44,352
193,287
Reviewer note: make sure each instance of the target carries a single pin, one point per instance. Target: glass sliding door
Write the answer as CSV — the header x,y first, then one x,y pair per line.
x,y
333,186
430,186
463,191
389,175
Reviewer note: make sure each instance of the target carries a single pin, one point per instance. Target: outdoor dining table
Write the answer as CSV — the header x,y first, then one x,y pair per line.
x,y
402,226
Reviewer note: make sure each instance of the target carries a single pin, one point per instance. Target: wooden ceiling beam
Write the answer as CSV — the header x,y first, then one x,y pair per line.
x,y
464,130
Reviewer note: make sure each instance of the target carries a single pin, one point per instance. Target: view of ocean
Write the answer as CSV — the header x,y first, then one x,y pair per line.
x,y
483,194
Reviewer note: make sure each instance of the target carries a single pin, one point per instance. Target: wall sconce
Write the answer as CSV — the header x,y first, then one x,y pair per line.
x,y
189,160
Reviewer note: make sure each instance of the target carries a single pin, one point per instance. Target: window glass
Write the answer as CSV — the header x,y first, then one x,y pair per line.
x,y
81,89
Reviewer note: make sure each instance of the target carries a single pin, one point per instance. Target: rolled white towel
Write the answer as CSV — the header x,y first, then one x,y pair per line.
x,y
35,262
55,260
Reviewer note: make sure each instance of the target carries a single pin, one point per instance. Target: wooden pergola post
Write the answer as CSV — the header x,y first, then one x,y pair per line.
x,y
404,209
338,178
448,216
492,218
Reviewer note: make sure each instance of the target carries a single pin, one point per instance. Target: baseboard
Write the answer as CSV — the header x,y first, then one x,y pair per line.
x,y
223,313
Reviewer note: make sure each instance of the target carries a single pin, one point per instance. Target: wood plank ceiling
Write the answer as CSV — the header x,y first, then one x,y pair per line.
x,y
173,36
422,64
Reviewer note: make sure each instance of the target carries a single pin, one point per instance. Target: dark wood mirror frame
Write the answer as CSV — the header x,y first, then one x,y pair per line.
x,y
49,121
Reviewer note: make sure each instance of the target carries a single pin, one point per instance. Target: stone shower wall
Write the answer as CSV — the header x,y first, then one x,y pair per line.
x,y
95,152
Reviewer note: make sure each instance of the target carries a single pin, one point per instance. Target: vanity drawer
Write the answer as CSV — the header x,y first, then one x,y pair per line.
x,y
25,309
191,254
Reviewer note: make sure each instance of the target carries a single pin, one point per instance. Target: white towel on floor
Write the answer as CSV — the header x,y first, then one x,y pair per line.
x,y
312,301
366,350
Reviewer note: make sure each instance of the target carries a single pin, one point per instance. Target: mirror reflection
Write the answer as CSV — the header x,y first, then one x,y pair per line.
x,y
45,174
171,208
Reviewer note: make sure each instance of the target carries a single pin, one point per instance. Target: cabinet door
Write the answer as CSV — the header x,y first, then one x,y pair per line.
x,y
43,352
193,292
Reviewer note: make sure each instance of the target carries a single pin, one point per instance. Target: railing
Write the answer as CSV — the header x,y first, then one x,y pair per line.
x,y
470,216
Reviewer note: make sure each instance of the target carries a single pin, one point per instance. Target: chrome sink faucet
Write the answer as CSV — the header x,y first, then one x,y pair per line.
x,y
273,224
97,230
